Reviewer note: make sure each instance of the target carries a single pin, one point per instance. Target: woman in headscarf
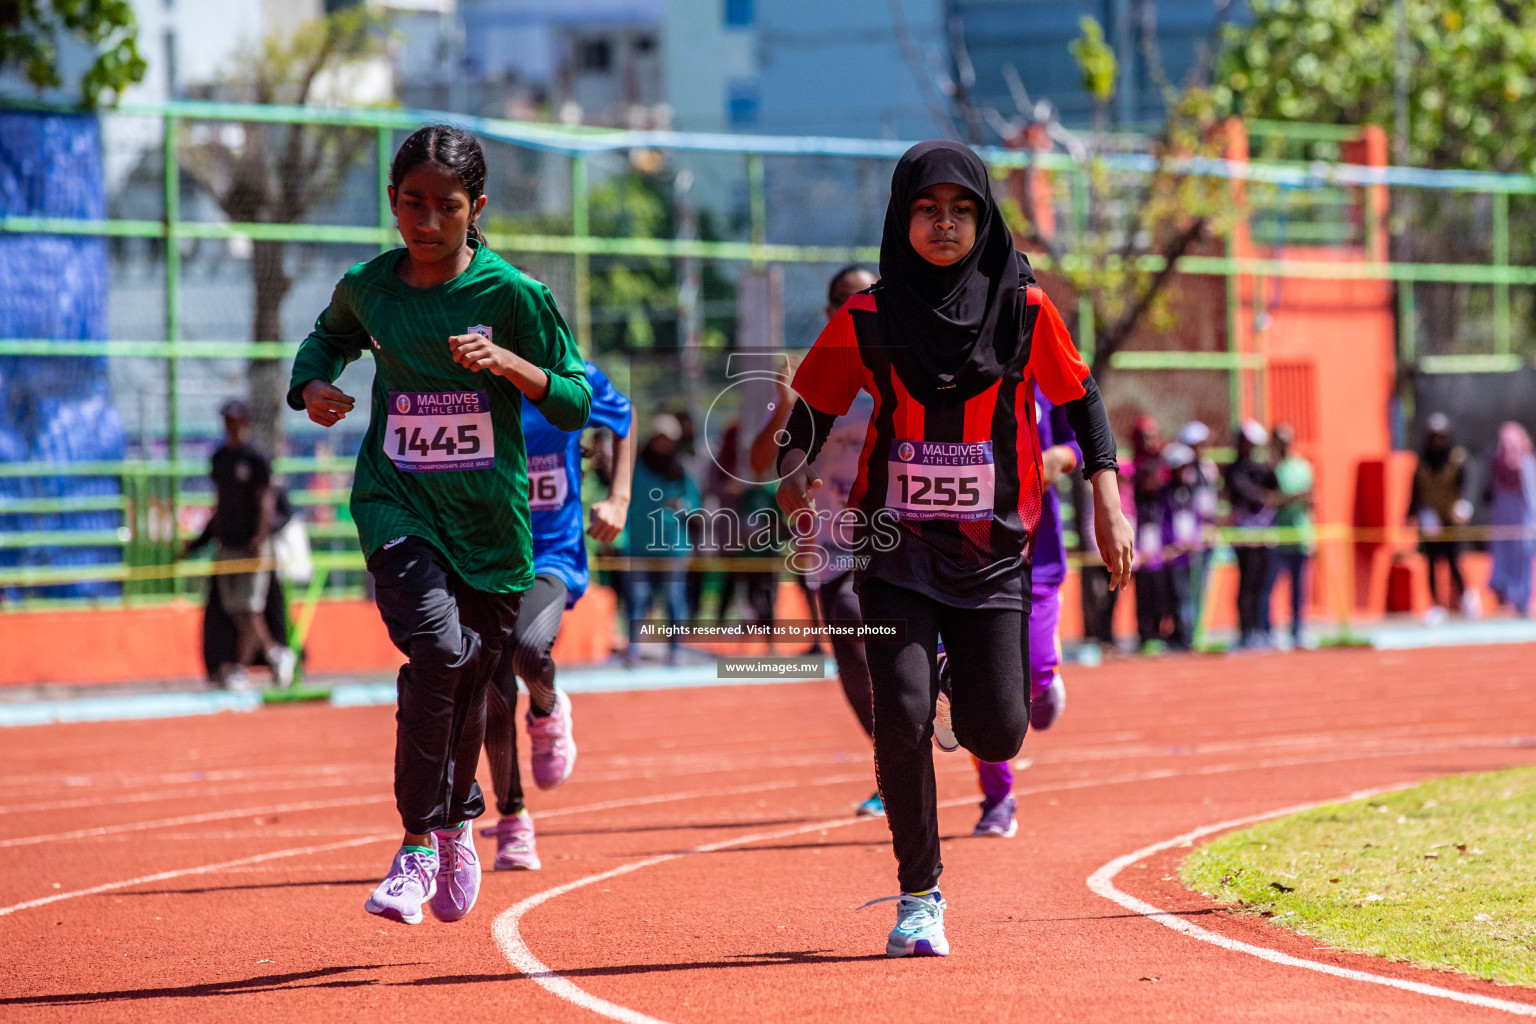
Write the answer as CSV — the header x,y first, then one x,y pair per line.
x,y
950,344
1438,506
1512,514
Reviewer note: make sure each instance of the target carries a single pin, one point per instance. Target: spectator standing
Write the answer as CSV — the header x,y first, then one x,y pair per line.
x,y
1439,506
657,535
1251,487
1184,539
1293,474
1149,476
241,530
1204,480
1512,514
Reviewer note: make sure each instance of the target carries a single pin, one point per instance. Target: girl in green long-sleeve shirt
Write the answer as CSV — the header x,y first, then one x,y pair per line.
x,y
440,495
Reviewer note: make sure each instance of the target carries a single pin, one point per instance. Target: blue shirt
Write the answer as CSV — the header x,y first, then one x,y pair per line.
x,y
554,484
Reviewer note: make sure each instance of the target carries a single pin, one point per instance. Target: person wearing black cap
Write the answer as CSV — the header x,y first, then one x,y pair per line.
x,y
951,344
241,527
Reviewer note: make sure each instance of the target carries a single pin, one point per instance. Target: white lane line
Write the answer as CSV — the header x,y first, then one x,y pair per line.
x,y
507,933
505,929
194,819
381,837
1102,882
202,869
166,796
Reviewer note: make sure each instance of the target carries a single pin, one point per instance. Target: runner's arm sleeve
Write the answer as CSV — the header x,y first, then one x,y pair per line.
x,y
338,339
539,335
806,430
1064,378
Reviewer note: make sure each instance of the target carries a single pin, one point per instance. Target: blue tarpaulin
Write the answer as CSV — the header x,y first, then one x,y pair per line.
x,y
55,408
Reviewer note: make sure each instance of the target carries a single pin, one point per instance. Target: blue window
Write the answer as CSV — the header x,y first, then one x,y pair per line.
x,y
738,13
741,104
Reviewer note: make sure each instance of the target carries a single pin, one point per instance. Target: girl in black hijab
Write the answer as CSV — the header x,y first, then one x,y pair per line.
x,y
950,343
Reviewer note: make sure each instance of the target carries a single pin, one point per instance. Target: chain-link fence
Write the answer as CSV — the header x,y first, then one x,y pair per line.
x,y
218,232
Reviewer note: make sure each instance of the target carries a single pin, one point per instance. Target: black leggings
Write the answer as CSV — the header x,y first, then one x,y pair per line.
x,y
988,650
841,605
1450,552
526,658
453,635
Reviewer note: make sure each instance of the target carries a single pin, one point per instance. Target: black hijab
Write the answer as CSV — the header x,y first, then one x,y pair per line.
x,y
960,325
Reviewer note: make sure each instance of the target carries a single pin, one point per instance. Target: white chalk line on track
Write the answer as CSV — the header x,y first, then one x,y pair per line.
x,y
1102,882
301,851
506,931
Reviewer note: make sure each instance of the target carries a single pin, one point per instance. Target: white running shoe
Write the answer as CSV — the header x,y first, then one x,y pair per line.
x,y
554,749
284,663
412,881
919,927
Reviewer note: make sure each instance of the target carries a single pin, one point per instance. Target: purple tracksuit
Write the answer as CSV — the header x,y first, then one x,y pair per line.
x,y
1048,572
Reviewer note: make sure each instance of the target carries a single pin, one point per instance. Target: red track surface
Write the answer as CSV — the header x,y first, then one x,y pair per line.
x,y
299,798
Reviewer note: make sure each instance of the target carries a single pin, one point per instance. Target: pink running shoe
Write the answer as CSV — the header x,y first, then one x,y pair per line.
x,y
515,850
412,881
554,751
458,872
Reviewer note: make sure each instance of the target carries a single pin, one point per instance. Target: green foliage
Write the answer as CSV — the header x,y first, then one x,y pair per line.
x,y
1128,229
1439,875
1472,78
31,32
1096,60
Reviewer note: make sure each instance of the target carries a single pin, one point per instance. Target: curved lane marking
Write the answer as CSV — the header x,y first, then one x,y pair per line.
x,y
373,838
1102,882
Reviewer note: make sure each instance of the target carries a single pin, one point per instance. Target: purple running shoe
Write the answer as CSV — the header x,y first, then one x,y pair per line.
x,y
458,872
998,819
412,881
554,751
515,849
1048,704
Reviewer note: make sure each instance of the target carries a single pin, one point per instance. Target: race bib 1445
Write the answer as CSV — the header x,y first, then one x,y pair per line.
x,y
940,480
439,431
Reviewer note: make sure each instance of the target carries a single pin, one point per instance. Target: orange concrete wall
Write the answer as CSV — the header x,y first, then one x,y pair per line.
x,y
164,642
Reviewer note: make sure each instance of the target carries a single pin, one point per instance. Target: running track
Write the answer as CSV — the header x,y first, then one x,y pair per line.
x,y
214,868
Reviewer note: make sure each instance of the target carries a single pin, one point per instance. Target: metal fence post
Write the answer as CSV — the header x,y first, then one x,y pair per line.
x,y
386,216
757,205
580,226
1501,325
172,326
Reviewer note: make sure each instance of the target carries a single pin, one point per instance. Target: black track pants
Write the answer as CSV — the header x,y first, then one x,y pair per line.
x,y
988,650
526,658
453,635
840,604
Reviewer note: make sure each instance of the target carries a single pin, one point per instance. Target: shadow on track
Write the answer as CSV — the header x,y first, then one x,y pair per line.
x,y
262,983
784,958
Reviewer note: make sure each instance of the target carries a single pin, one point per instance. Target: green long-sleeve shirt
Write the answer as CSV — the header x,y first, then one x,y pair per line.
x,y
443,458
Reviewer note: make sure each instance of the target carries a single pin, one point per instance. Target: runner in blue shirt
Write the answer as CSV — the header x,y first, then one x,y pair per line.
x,y
560,578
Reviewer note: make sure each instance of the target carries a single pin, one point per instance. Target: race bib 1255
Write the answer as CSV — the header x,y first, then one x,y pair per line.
x,y
940,480
439,431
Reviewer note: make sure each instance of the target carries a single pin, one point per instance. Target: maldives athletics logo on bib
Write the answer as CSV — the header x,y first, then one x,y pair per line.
x,y
403,403
482,330
905,451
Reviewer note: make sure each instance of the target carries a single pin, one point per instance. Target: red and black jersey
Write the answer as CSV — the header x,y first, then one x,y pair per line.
x,y
962,479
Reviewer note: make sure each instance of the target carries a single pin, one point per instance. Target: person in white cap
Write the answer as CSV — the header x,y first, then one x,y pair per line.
x,y
1203,478
1251,490
656,537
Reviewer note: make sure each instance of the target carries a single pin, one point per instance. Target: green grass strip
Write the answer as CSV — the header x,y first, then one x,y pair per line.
x,y
296,694
1442,875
